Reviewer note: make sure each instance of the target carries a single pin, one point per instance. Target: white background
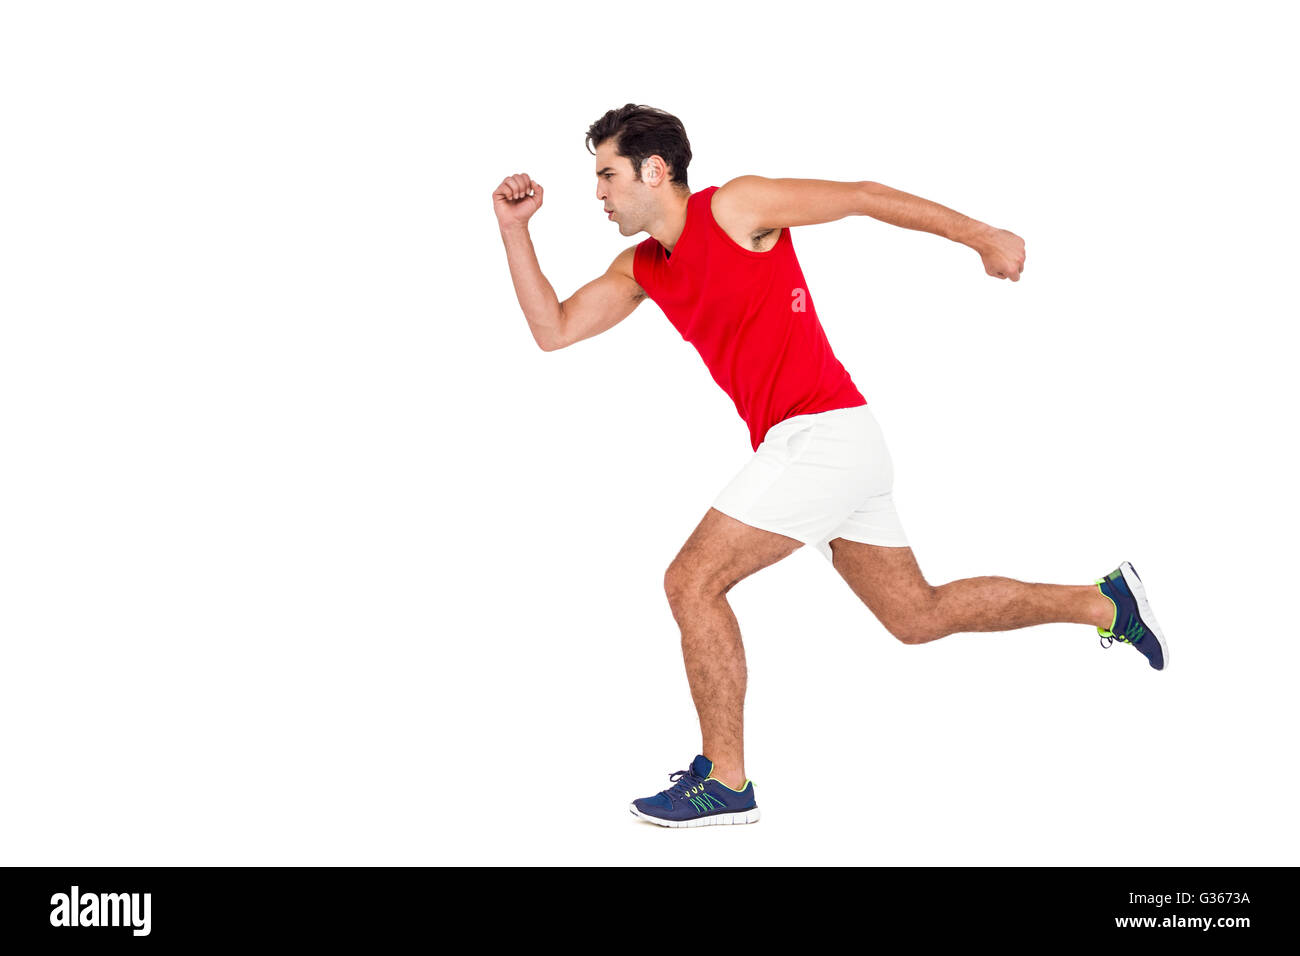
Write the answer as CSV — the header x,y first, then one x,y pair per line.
x,y
308,554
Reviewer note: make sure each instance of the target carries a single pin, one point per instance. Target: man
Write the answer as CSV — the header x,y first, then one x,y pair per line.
x,y
720,262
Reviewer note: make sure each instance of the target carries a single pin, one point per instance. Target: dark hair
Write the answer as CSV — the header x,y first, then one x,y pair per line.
x,y
641,132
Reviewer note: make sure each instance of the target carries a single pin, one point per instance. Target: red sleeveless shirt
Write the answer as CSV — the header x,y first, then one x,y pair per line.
x,y
750,316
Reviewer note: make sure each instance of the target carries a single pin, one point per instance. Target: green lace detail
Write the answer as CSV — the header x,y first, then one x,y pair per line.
x,y
1135,635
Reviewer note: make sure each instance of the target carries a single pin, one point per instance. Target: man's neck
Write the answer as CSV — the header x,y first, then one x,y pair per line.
x,y
668,228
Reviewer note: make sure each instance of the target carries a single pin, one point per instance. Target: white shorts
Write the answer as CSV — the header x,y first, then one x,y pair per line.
x,y
817,477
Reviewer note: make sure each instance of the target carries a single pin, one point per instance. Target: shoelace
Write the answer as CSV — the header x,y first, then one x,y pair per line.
x,y
684,781
1138,631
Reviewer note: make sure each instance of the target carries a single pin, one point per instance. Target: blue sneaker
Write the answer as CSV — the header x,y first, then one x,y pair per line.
x,y
1133,622
697,800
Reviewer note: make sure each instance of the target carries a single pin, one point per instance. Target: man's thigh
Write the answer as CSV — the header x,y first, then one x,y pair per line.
x,y
722,551
887,580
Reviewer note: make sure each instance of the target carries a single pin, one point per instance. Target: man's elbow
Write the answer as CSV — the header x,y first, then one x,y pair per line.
x,y
550,337
549,341
867,196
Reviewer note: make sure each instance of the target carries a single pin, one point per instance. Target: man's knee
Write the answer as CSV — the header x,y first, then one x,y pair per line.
x,y
917,624
912,630
684,583
677,583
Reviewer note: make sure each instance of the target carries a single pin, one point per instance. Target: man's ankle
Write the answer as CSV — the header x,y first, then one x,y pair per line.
x,y
734,780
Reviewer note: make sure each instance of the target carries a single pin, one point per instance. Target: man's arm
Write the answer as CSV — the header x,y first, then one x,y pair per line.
x,y
602,303
756,204
596,307
514,202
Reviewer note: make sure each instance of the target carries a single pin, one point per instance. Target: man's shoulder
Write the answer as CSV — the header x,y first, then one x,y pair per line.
x,y
731,206
631,262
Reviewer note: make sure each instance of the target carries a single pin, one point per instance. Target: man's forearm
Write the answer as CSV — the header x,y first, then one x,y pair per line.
x,y
537,298
912,212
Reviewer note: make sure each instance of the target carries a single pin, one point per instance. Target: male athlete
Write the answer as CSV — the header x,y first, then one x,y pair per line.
x,y
720,263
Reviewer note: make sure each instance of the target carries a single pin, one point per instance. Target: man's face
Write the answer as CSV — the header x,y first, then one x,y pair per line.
x,y
621,193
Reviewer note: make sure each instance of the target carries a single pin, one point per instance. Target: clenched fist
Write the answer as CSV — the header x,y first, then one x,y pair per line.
x,y
516,199
1003,253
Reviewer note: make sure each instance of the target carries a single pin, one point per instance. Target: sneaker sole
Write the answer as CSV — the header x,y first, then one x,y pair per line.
x,y
1144,609
717,819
